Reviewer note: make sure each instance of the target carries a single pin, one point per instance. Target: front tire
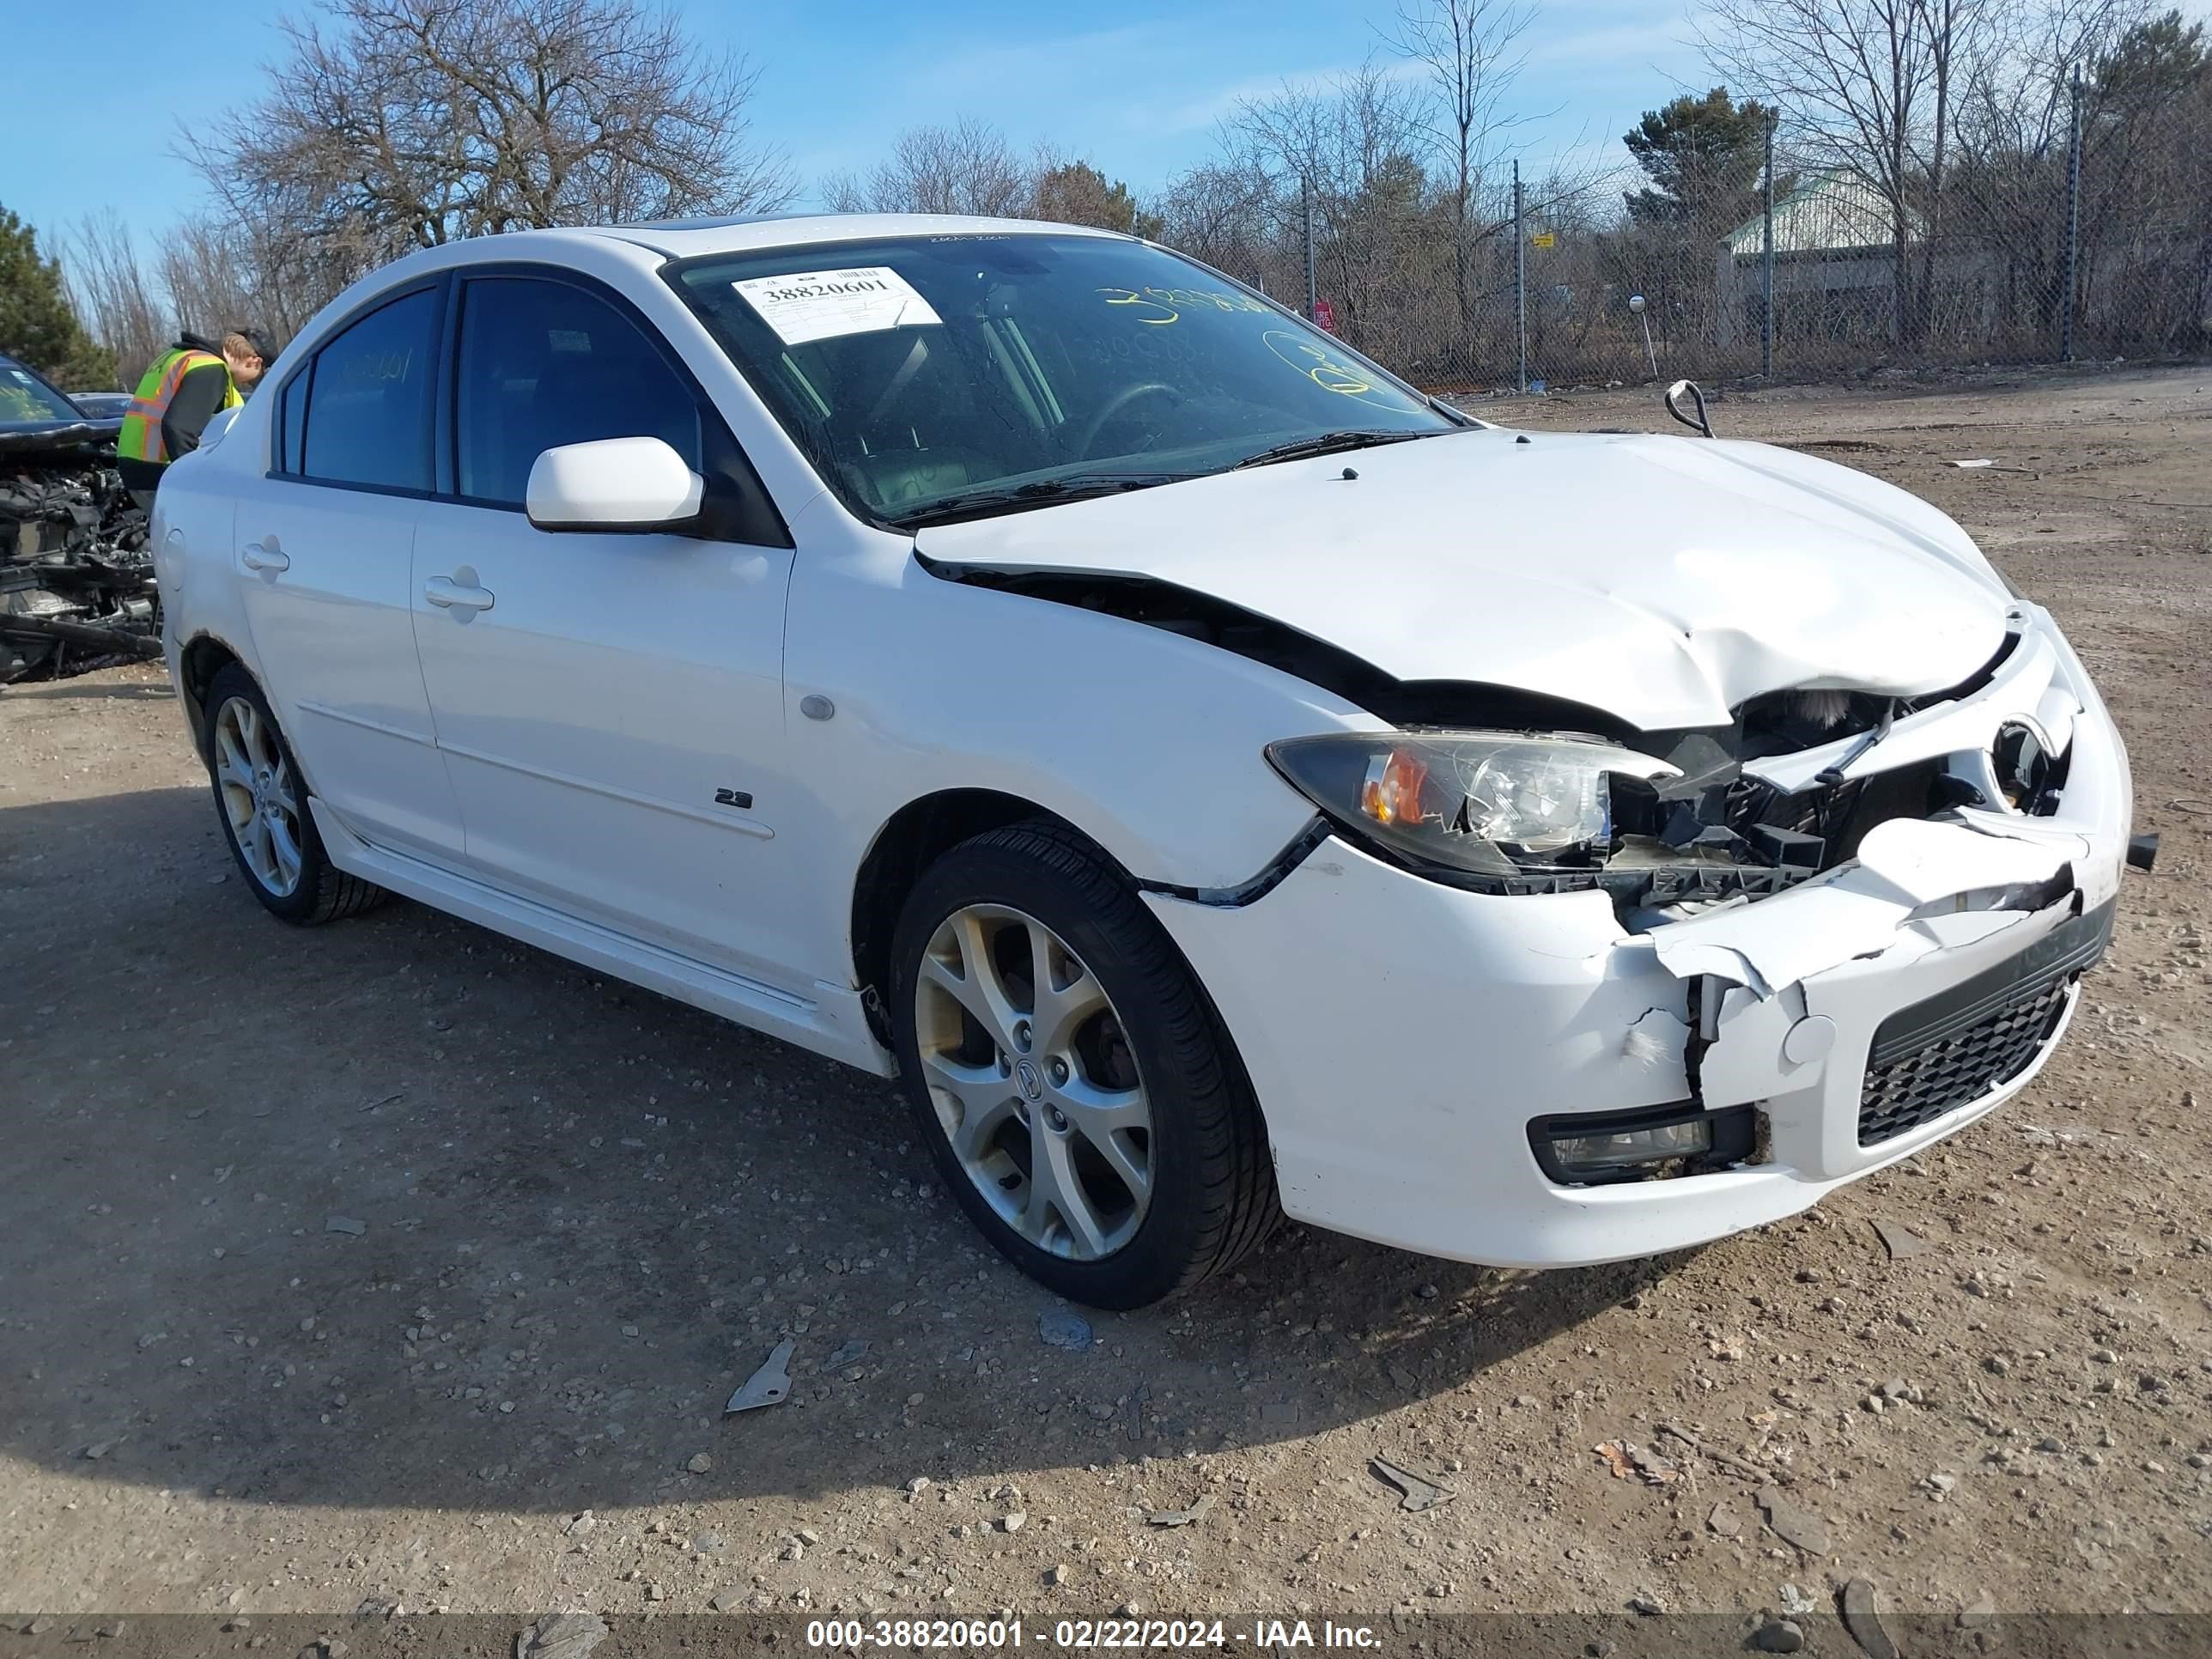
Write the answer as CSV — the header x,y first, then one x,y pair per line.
x,y
263,803
1071,1080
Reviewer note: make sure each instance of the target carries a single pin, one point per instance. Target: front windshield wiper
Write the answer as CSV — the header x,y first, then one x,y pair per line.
x,y
1325,443
1041,492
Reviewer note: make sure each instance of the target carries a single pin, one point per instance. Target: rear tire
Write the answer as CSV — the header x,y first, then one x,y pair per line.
x,y
262,802
1102,1135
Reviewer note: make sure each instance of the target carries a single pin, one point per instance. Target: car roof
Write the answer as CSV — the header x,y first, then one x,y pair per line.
x,y
649,243
682,239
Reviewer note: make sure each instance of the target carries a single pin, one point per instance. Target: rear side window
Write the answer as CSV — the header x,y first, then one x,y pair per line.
x,y
366,414
541,364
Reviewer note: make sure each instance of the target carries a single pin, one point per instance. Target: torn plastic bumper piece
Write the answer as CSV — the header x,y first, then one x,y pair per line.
x,y
1904,867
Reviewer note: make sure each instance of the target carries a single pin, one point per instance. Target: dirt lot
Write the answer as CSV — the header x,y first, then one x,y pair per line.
x,y
585,1214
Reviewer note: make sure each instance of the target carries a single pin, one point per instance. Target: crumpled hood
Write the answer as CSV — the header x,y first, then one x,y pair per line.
x,y
1663,580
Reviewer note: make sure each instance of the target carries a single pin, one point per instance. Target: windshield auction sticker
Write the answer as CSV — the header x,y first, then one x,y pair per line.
x,y
821,305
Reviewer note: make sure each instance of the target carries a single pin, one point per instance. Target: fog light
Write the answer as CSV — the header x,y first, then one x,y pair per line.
x,y
1584,1148
1598,1153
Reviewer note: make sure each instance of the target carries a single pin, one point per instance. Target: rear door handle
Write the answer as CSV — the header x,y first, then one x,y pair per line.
x,y
264,556
449,595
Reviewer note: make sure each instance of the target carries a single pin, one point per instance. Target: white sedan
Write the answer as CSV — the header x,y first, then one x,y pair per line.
x,y
1218,780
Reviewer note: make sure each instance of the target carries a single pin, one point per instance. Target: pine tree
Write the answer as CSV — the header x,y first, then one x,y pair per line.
x,y
1703,156
37,324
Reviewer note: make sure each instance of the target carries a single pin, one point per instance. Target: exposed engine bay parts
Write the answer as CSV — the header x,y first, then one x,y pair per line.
x,y
76,579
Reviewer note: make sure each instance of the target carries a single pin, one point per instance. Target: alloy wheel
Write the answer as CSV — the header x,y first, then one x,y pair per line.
x,y
257,797
1035,1086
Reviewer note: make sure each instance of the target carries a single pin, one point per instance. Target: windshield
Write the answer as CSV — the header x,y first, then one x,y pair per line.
x,y
932,377
24,398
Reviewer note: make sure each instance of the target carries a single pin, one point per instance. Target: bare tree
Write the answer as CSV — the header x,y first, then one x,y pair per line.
x,y
1871,86
966,167
220,275
1471,54
1226,214
1354,145
118,301
393,124
2012,127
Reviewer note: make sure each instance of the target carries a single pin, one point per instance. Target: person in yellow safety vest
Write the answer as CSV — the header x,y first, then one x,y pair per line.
x,y
185,387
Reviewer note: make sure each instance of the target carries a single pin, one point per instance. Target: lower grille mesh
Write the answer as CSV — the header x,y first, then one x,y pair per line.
x,y
1918,1087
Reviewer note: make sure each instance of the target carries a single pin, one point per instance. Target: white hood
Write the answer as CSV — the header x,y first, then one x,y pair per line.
x,y
1663,580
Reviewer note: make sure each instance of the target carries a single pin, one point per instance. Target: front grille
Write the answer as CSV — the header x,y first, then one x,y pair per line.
x,y
1956,1047
1946,1074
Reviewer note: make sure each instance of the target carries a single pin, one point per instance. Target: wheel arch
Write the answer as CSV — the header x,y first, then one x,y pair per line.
x,y
908,843
204,657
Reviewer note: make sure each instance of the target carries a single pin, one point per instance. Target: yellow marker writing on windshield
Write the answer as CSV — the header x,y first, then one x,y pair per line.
x,y
1130,296
1328,371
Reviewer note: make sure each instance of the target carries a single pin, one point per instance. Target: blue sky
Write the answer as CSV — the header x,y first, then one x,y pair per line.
x,y
1138,87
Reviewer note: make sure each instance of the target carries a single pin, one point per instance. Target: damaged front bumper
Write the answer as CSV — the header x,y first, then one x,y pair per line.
x,y
1403,1036
76,582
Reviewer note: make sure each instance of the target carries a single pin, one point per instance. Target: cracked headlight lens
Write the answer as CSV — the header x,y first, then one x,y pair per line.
x,y
1490,803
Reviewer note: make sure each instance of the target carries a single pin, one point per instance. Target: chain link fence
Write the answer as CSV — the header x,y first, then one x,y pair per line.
x,y
2090,241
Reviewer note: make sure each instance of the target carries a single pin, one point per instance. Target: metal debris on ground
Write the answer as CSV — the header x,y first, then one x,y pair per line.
x,y
346,1225
1415,1494
770,1385
561,1636
77,578
1059,1328
850,1354
1190,1516
1629,1460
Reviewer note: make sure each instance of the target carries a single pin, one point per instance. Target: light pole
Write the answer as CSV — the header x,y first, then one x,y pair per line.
x,y
1636,305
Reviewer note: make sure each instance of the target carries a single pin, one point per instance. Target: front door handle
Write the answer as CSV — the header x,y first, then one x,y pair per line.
x,y
449,595
264,556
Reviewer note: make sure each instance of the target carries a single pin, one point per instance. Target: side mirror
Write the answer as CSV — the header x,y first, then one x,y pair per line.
x,y
613,484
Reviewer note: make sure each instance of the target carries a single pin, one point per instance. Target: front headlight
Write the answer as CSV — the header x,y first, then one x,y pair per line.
x,y
1488,803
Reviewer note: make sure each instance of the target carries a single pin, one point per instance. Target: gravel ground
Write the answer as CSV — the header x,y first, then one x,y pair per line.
x,y
392,1263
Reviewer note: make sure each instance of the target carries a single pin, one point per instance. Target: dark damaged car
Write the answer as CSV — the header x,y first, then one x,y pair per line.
x,y
77,582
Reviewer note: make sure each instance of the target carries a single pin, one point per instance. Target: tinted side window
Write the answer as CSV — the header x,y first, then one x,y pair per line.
x,y
366,419
541,364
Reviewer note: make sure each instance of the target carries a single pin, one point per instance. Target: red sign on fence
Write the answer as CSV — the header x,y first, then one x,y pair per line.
x,y
1324,316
